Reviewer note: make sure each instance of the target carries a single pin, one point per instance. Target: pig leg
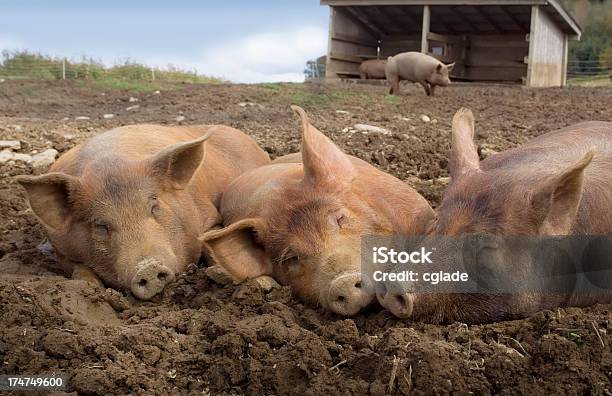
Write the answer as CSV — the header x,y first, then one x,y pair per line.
x,y
394,81
431,89
80,272
363,76
426,86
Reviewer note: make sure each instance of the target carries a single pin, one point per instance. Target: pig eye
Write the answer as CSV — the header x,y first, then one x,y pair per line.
x,y
101,228
339,218
288,255
154,206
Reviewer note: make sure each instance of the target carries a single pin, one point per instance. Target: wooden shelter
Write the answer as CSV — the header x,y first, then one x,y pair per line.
x,y
522,41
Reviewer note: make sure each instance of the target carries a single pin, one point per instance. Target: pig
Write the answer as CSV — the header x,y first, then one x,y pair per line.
x,y
373,68
417,67
127,206
300,220
557,184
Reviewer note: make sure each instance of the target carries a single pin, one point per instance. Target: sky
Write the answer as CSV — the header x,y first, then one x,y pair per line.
x,y
244,41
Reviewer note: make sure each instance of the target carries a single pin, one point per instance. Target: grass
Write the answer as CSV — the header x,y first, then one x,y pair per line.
x,y
271,86
303,98
128,85
127,75
393,99
590,81
29,91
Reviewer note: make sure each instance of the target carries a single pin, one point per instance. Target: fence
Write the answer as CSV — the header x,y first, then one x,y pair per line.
x,y
33,67
588,70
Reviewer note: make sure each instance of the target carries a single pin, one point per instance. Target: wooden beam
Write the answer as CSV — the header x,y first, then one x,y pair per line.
x,y
499,44
488,18
345,57
391,18
497,64
441,21
515,19
348,12
379,33
446,39
425,29
473,27
352,40
405,13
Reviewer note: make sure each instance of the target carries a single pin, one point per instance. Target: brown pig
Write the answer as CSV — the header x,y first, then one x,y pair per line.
x,y
372,68
417,67
557,184
301,219
129,204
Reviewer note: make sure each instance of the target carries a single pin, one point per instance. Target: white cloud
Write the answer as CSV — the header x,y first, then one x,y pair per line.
x,y
265,57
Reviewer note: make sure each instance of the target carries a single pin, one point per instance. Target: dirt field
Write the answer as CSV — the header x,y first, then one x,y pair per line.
x,y
205,338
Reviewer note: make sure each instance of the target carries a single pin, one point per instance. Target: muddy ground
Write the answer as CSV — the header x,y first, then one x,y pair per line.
x,y
204,338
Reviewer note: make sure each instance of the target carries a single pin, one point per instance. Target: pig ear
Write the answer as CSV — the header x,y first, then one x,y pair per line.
x,y
556,201
324,163
50,197
177,163
439,68
464,156
450,67
235,249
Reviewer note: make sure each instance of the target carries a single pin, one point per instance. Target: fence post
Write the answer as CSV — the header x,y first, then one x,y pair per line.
x,y
63,68
152,74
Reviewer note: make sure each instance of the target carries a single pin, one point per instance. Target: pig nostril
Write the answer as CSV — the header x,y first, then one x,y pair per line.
x,y
341,298
358,285
142,282
162,276
400,300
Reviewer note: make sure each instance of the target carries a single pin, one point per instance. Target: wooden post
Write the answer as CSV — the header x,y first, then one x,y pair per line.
x,y
564,71
329,70
152,74
425,31
532,46
64,69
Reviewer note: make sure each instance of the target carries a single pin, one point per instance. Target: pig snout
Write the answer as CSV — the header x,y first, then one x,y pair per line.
x,y
400,305
348,295
151,277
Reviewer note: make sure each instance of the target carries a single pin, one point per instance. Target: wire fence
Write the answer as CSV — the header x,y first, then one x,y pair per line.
x,y
588,69
35,67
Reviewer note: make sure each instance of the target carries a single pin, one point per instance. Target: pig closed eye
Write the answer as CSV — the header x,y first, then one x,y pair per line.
x,y
339,219
102,229
288,256
155,208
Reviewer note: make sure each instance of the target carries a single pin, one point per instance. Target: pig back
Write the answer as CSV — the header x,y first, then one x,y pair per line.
x,y
228,154
415,66
545,156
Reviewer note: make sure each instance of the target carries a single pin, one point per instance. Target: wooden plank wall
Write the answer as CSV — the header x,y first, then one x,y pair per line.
x,y
454,49
348,40
547,51
395,44
496,58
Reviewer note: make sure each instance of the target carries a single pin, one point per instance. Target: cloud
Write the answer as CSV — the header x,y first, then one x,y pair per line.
x,y
265,57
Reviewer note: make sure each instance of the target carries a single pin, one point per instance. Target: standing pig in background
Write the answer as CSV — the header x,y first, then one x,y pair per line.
x,y
301,219
130,203
372,69
557,184
417,67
